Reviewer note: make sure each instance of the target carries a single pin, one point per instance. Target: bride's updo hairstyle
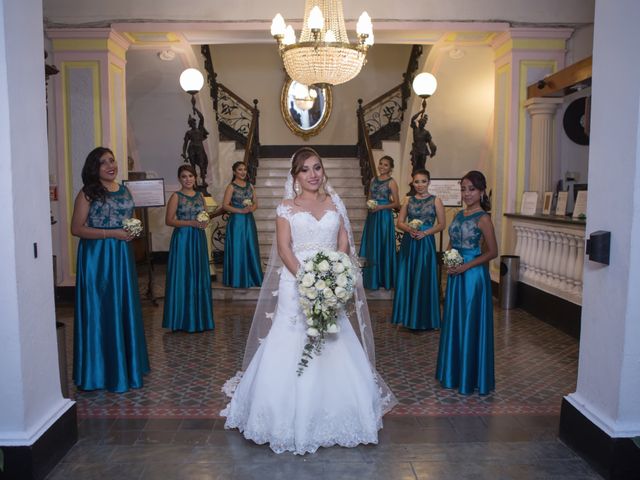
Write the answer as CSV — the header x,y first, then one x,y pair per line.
x,y
301,155
297,162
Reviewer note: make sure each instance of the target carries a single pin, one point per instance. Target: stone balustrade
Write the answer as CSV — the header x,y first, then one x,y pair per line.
x,y
551,251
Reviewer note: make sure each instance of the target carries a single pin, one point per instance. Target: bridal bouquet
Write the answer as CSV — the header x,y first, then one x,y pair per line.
x,y
452,258
371,204
203,217
132,226
416,223
326,282
247,202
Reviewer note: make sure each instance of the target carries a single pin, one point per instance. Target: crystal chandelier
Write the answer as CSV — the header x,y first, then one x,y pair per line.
x,y
323,55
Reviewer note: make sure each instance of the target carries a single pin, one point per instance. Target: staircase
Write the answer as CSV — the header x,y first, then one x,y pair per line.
x,y
344,175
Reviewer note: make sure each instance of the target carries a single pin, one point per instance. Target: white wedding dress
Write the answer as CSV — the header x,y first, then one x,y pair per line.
x,y
337,400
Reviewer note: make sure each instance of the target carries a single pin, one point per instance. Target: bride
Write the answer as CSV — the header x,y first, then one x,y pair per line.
x,y
339,399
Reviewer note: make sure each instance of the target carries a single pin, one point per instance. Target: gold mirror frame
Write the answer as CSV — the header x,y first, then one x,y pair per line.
x,y
294,126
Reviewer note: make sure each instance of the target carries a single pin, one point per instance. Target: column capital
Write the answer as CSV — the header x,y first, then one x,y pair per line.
x,y
542,105
88,40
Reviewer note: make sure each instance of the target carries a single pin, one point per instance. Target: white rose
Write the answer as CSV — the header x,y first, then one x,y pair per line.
x,y
307,280
308,266
320,284
310,321
331,301
342,280
333,256
312,332
324,266
328,293
333,328
311,294
338,267
341,293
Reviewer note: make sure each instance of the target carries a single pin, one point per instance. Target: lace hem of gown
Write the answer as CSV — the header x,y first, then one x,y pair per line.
x,y
322,432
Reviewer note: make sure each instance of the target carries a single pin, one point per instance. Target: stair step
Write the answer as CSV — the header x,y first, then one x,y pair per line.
x,y
278,192
346,171
326,162
349,201
342,181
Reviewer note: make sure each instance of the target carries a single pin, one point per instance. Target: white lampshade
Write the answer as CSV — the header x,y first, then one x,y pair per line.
x,y
278,25
191,80
289,36
364,27
425,85
316,20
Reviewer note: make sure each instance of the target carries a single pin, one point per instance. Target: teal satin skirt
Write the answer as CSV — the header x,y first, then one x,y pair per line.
x,y
416,303
187,297
378,246
465,357
242,267
109,348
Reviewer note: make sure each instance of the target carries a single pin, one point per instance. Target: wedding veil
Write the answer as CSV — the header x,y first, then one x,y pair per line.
x,y
357,310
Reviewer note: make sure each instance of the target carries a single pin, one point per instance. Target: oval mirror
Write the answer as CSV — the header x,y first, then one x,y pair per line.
x,y
305,110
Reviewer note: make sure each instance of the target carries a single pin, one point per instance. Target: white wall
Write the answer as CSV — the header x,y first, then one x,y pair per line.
x,y
608,382
30,398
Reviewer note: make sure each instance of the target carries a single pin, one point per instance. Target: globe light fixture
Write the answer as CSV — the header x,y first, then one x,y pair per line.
x,y
424,85
323,55
192,81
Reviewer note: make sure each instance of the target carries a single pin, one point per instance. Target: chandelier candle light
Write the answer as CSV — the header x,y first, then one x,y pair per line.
x,y
192,81
323,55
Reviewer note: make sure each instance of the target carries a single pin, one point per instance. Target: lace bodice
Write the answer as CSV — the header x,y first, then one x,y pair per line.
x,y
118,206
464,233
380,190
422,209
189,207
240,194
309,234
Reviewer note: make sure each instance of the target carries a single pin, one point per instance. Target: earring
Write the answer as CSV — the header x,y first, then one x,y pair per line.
x,y
296,188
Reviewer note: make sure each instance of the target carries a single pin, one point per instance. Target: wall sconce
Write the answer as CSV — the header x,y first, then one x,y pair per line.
x,y
192,81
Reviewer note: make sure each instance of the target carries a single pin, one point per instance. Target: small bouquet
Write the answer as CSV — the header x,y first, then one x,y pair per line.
x,y
247,202
371,204
452,258
326,282
416,223
132,226
203,216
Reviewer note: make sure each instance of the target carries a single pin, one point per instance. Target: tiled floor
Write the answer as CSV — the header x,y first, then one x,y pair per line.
x,y
170,429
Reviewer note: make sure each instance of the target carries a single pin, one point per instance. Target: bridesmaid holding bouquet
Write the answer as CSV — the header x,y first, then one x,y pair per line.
x,y
465,357
416,304
109,348
378,244
187,298
241,268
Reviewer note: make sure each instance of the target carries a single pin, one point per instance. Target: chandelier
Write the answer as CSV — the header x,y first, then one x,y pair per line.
x,y
323,54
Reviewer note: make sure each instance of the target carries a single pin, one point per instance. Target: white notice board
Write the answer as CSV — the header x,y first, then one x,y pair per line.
x,y
146,193
447,190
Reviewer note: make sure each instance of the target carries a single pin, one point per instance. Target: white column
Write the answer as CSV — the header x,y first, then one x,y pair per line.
x,y
30,398
608,386
542,112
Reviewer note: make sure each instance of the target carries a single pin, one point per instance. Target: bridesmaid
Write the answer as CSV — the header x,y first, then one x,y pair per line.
x,y
378,244
187,297
465,357
416,304
109,348
242,268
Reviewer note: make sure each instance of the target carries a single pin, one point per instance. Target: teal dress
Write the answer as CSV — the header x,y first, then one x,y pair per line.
x,y
187,297
465,357
109,348
378,244
416,304
242,268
